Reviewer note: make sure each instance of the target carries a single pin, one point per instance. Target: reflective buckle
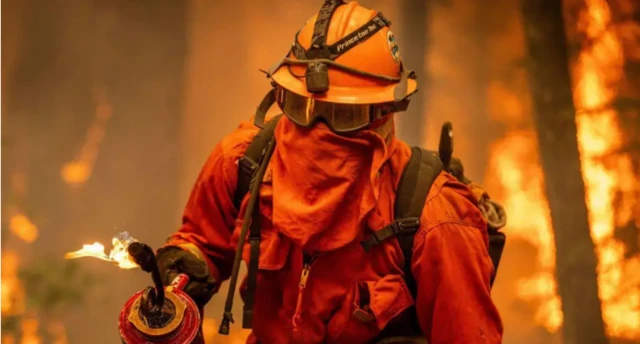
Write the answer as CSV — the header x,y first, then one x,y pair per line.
x,y
405,226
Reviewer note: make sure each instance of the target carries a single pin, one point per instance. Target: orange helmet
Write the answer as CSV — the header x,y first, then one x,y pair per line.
x,y
344,60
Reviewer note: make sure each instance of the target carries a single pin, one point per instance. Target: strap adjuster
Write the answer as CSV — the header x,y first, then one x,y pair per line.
x,y
254,237
405,226
247,165
401,227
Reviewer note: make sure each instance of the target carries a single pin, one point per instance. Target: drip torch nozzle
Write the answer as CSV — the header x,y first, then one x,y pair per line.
x,y
144,256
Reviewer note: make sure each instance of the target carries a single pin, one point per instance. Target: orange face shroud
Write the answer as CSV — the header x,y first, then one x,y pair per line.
x,y
340,115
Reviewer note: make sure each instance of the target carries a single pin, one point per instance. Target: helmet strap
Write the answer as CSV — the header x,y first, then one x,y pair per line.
x,y
318,48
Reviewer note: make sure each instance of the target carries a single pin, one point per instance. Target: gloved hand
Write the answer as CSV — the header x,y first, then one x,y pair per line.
x,y
173,260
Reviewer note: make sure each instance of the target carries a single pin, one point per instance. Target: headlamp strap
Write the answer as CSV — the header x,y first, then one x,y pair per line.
x,y
343,45
298,50
321,28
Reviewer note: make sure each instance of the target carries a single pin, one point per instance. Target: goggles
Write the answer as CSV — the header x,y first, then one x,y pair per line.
x,y
340,118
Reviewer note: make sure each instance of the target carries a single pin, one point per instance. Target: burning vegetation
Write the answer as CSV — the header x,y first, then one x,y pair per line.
x,y
611,184
610,169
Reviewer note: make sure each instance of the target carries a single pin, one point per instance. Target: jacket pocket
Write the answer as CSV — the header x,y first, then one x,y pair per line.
x,y
368,308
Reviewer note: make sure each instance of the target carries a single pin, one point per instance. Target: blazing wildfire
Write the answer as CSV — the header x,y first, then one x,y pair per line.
x,y
109,110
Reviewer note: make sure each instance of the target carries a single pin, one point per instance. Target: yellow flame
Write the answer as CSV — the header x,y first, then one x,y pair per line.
x,y
599,69
23,228
610,187
118,253
95,250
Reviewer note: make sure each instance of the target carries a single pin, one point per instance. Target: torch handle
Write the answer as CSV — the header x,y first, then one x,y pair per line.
x,y
144,256
180,281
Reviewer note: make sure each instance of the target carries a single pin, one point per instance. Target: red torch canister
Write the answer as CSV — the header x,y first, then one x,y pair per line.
x,y
160,315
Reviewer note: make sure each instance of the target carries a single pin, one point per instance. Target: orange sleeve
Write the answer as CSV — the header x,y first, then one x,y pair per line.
x,y
209,216
452,269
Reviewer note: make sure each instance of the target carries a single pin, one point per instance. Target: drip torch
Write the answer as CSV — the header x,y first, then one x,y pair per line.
x,y
159,314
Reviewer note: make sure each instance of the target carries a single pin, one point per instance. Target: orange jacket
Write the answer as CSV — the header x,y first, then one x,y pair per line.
x,y
350,295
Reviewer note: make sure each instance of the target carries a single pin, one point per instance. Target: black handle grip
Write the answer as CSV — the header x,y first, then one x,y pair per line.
x,y
445,148
144,256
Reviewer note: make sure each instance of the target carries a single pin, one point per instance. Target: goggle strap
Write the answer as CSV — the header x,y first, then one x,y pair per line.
x,y
402,105
266,103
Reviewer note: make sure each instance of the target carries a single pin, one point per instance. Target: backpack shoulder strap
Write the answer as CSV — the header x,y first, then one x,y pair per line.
x,y
415,183
248,167
416,179
250,161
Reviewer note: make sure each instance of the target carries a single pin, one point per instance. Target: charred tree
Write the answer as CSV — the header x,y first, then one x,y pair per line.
x,y
554,117
414,15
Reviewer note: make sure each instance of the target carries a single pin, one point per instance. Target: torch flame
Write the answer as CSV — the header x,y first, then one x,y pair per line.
x,y
118,254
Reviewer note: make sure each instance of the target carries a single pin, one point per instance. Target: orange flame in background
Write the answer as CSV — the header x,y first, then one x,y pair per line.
x,y
79,170
29,328
23,228
521,180
607,174
117,255
13,301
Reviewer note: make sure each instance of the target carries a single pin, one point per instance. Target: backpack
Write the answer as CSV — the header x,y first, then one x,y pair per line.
x,y
416,180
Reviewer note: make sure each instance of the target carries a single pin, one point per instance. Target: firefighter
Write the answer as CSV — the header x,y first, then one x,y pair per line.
x,y
330,181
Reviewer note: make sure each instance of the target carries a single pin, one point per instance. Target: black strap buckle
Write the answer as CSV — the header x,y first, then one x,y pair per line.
x,y
401,227
406,226
318,52
247,166
254,236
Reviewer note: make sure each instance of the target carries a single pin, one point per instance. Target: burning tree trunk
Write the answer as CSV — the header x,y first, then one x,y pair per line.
x,y
556,128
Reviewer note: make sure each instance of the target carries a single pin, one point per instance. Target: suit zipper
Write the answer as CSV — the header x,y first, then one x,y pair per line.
x,y
307,262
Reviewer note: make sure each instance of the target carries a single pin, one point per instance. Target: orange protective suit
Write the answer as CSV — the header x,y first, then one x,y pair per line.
x,y
322,192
